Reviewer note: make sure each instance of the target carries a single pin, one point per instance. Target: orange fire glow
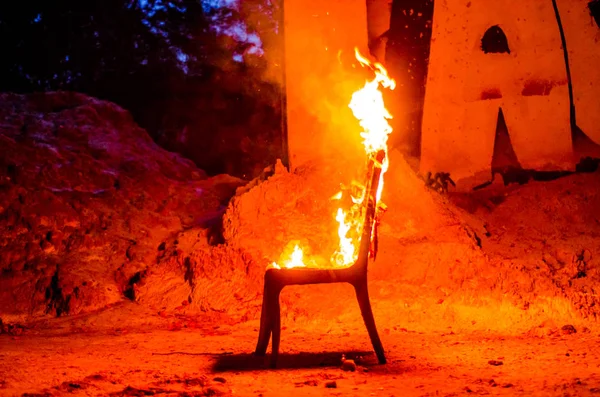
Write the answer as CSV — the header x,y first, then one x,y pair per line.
x,y
296,259
368,107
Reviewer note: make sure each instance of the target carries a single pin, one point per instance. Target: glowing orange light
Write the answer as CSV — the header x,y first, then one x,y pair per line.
x,y
368,107
296,260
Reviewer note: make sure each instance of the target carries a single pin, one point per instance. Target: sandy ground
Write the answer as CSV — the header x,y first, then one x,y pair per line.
x,y
125,351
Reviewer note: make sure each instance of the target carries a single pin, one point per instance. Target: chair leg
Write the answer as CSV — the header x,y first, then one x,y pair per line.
x,y
264,334
362,294
275,312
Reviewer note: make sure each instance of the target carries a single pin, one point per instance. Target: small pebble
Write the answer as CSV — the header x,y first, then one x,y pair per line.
x,y
495,362
349,365
331,385
219,379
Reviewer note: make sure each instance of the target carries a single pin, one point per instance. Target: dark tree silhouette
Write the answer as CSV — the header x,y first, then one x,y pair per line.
x,y
194,77
407,58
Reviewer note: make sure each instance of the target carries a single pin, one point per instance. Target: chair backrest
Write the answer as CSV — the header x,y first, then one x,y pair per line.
x,y
373,177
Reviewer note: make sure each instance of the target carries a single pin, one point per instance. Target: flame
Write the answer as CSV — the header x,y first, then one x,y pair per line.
x,y
296,259
345,253
368,107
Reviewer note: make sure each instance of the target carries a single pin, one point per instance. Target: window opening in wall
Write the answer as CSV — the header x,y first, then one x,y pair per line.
x,y
494,41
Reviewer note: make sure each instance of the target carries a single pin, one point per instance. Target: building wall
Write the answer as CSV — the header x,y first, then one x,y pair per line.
x,y
459,126
583,42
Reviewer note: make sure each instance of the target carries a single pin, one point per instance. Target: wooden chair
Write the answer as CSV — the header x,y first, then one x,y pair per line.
x,y
356,275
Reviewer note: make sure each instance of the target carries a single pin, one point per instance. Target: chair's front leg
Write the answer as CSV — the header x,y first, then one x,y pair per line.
x,y
362,295
264,334
275,313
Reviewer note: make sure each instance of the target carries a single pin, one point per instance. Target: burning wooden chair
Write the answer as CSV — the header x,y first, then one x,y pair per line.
x,y
276,279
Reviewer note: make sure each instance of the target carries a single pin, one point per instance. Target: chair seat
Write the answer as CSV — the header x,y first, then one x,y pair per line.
x,y
277,279
307,275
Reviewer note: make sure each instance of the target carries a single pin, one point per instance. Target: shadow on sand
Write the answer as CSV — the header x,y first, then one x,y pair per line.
x,y
251,362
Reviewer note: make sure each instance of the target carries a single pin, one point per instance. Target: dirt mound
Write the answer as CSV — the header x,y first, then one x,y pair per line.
x,y
202,279
298,207
287,207
87,200
544,238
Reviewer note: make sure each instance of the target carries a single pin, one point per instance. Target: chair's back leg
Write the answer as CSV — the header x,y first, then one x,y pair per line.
x,y
264,334
362,294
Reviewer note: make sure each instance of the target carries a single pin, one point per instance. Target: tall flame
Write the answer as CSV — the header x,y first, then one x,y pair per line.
x,y
368,107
